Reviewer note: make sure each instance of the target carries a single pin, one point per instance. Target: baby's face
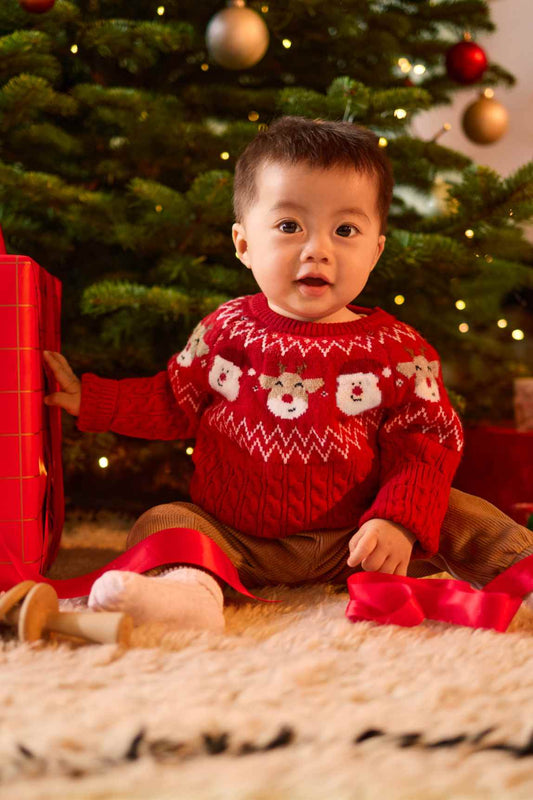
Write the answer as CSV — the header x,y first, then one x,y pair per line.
x,y
311,239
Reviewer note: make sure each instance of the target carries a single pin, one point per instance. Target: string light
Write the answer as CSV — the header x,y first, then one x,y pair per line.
x,y
204,67
469,233
518,335
489,259
159,209
161,10
419,69
460,304
286,43
400,113
224,156
253,116
502,323
399,299
382,141
464,327
103,462
489,93
74,49
264,9
404,64
189,451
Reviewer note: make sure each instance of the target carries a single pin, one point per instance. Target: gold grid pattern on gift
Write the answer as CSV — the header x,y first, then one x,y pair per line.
x,y
23,267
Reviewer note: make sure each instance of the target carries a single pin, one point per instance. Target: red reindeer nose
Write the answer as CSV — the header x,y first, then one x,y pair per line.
x,y
356,391
428,381
286,398
222,376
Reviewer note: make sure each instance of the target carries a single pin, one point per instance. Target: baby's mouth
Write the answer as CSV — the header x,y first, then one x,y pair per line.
x,y
313,281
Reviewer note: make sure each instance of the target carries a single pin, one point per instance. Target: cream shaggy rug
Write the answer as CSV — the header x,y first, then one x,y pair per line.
x,y
293,702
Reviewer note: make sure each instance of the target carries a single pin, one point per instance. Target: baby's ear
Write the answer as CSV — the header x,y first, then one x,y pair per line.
x,y
241,243
379,249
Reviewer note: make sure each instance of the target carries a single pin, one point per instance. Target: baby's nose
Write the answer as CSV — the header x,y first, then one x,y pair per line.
x,y
317,249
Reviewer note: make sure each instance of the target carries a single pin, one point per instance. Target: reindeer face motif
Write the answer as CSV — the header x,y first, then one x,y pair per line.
x,y
195,346
288,392
425,374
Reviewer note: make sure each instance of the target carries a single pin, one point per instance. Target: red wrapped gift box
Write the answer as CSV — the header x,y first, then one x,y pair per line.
x,y
31,478
498,465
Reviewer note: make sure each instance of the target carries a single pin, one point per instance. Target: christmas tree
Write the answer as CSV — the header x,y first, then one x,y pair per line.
x,y
120,131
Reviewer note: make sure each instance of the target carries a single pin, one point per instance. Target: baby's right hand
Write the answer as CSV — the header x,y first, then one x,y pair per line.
x,y
70,397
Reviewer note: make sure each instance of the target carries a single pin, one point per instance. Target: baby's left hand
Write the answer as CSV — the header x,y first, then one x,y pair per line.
x,y
381,546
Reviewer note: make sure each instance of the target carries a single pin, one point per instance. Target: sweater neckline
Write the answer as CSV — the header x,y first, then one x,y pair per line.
x,y
372,318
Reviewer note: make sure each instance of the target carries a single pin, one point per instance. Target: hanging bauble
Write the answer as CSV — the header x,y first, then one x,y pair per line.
x,y
237,37
485,120
466,62
36,6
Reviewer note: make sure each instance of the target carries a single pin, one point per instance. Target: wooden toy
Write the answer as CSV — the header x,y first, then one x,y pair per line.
x,y
33,609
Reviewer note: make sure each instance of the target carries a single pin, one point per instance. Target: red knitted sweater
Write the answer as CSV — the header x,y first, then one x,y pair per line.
x,y
299,426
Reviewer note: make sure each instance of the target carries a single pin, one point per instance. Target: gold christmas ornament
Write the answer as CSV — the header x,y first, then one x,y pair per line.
x,y
237,37
485,120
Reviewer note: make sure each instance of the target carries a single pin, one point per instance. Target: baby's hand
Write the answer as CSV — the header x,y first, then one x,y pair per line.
x,y
70,397
381,546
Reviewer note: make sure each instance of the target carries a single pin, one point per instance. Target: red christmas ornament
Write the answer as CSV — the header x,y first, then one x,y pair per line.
x,y
466,62
36,6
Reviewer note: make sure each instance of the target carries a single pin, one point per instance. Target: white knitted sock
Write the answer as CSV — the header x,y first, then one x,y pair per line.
x,y
182,597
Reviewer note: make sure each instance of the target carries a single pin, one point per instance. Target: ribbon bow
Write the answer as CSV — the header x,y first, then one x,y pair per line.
x,y
398,600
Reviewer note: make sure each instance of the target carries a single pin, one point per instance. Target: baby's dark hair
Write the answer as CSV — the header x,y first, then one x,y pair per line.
x,y
319,143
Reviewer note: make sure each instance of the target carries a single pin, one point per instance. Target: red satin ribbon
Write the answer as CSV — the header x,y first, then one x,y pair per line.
x,y
375,596
397,600
169,546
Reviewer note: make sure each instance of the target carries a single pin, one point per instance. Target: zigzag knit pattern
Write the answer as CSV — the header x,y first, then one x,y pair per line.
x,y
299,426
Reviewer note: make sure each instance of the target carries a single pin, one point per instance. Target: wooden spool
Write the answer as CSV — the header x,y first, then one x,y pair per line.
x,y
33,609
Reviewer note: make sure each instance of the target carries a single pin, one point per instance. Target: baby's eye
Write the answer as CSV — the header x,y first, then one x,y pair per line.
x,y
347,230
289,226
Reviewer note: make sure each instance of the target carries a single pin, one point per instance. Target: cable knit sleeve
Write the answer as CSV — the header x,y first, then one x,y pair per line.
x,y
420,444
168,405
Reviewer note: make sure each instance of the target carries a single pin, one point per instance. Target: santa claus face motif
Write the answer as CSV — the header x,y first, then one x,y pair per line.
x,y
357,392
224,377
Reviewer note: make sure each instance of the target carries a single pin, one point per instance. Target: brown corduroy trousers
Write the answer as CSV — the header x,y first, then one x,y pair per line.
x,y
477,543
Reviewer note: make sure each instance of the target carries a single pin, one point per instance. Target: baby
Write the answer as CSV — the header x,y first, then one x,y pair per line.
x,y
325,441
